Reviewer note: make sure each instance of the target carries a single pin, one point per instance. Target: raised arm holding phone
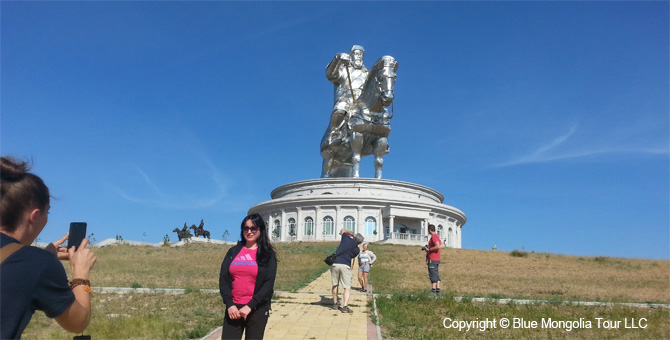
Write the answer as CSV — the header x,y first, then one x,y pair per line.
x,y
32,278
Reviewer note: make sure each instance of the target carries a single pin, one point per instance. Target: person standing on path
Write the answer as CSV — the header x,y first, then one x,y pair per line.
x,y
246,281
433,252
365,260
340,271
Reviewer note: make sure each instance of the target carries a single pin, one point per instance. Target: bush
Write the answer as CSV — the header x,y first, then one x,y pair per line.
x,y
166,240
518,253
197,333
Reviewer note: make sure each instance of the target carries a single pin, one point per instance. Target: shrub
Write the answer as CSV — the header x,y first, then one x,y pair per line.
x,y
189,290
600,259
496,296
518,253
197,333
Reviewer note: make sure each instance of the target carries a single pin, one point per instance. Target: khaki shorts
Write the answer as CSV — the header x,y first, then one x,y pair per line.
x,y
340,275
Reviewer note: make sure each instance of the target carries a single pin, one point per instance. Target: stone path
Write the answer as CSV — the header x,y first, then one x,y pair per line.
x,y
307,314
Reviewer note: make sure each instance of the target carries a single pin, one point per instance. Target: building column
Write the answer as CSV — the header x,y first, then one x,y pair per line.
x,y
360,225
337,224
380,225
284,227
391,227
318,224
299,225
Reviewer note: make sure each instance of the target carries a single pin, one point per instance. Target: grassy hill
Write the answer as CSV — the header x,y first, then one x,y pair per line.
x,y
409,313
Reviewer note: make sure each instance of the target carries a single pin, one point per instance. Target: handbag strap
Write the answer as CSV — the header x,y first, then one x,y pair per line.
x,y
9,249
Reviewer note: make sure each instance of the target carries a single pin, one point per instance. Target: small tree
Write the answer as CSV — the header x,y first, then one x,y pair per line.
x,y
225,235
166,240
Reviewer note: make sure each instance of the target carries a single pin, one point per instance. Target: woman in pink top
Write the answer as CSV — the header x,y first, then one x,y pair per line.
x,y
246,281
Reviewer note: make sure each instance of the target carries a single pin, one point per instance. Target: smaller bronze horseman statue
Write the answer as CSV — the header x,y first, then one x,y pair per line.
x,y
200,230
181,234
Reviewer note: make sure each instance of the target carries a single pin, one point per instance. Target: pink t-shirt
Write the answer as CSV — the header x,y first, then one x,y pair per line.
x,y
244,270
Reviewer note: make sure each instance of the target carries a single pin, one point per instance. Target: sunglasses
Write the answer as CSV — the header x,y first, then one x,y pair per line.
x,y
253,230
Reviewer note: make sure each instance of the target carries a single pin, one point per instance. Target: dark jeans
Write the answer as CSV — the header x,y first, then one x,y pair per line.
x,y
254,325
433,271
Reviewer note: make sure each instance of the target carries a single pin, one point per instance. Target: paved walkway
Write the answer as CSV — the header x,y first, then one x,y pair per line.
x,y
307,314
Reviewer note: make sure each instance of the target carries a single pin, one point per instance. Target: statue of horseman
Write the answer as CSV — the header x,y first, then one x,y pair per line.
x,y
360,120
348,74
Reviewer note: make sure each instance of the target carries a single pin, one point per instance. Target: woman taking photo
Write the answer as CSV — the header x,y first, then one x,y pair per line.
x,y
247,281
33,278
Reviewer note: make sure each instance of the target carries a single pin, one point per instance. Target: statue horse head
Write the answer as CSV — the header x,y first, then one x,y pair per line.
x,y
378,88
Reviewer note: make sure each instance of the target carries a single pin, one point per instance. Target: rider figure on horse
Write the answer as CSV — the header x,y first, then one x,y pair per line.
x,y
348,74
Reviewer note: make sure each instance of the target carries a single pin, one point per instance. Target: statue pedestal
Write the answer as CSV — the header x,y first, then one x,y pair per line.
x,y
381,210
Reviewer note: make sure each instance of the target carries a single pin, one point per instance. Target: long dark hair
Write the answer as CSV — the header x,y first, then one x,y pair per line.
x,y
20,191
265,248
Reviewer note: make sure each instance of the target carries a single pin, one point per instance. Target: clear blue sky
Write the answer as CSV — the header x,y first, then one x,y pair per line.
x,y
547,123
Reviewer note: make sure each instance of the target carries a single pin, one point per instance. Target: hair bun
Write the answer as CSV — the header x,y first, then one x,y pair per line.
x,y
12,170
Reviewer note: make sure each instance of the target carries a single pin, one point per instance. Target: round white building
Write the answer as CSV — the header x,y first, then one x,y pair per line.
x,y
382,210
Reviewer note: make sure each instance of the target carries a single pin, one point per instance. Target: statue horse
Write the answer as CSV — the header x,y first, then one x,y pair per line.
x,y
181,234
198,231
366,126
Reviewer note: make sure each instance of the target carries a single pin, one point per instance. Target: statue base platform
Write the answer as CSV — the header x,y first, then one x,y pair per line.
x,y
382,210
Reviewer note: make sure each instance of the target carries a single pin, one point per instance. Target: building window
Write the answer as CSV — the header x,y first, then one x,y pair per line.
x,y
309,226
291,227
276,233
349,223
370,226
328,225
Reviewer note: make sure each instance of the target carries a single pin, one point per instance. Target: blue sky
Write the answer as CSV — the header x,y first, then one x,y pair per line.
x,y
547,123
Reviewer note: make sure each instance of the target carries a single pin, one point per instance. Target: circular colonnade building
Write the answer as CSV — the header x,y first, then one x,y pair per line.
x,y
386,211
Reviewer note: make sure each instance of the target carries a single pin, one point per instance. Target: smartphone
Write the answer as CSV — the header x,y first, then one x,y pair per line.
x,y
77,234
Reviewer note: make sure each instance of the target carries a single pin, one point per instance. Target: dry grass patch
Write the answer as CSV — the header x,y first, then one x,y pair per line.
x,y
400,269
421,317
537,276
166,316
141,316
198,265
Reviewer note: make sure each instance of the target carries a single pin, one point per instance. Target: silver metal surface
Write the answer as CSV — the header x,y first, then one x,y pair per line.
x,y
359,123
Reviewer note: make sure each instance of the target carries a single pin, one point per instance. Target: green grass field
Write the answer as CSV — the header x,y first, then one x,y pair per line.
x,y
407,310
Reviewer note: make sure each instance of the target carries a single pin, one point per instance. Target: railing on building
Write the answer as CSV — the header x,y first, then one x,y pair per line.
x,y
409,237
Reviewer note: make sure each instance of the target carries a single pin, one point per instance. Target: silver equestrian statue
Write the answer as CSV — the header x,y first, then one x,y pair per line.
x,y
359,124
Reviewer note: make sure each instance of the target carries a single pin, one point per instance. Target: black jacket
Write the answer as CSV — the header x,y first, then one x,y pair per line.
x,y
265,280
